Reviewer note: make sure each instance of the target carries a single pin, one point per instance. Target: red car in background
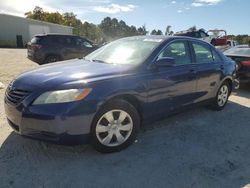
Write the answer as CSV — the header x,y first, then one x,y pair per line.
x,y
218,37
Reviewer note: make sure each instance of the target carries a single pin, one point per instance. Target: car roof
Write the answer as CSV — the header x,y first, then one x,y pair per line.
x,y
55,34
164,37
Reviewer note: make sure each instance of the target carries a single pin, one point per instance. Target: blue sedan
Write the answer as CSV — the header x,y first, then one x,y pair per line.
x,y
106,97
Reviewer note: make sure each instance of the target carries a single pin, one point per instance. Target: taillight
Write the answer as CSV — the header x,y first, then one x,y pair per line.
x,y
245,63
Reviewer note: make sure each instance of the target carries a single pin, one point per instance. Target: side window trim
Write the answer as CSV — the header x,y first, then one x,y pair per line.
x,y
174,41
191,51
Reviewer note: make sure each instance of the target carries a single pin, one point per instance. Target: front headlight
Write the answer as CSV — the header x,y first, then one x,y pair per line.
x,y
62,96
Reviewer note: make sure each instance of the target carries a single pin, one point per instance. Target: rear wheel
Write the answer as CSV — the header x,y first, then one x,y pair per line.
x,y
222,96
115,126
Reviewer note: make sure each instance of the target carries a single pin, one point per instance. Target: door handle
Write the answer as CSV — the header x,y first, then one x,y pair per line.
x,y
222,67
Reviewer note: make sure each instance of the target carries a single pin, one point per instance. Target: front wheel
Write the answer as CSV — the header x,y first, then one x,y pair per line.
x,y
115,126
222,97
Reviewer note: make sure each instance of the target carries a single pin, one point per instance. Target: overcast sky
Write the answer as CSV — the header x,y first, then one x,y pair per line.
x,y
232,15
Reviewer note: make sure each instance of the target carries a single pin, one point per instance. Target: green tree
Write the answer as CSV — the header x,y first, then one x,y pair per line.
x,y
113,29
153,32
158,32
54,17
91,31
36,14
71,20
132,31
142,30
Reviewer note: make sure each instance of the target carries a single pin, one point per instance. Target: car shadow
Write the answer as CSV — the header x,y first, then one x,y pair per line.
x,y
244,90
198,148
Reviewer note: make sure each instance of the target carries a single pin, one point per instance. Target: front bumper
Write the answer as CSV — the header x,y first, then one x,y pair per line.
x,y
62,123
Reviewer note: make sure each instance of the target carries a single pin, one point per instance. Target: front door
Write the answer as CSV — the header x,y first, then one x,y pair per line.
x,y
173,87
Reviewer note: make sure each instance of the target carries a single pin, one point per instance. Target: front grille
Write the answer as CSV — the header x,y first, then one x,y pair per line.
x,y
15,96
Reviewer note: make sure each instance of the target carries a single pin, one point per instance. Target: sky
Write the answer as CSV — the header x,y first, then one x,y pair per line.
x,y
231,15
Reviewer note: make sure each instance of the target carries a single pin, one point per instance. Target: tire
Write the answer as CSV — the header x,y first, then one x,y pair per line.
x,y
51,59
221,98
115,126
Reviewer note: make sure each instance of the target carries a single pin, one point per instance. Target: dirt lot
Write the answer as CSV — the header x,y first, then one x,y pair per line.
x,y
198,148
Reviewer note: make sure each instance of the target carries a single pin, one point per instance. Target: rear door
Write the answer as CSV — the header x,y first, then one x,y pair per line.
x,y
209,69
70,50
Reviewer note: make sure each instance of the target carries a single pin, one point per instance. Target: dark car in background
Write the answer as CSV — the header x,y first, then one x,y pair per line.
x,y
48,48
105,97
200,34
241,55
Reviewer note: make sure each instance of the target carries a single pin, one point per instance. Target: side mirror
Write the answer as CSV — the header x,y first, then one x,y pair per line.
x,y
165,62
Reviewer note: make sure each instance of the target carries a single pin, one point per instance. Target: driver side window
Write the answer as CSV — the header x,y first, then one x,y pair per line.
x,y
178,51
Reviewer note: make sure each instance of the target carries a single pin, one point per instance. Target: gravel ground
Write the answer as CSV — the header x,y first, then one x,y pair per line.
x,y
198,148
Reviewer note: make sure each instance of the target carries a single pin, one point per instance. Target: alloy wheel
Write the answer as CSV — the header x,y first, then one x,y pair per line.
x,y
114,128
222,95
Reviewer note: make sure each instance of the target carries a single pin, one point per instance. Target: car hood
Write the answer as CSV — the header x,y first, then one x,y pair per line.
x,y
69,72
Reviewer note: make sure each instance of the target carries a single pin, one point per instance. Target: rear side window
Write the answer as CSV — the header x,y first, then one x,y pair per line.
x,y
177,50
203,53
65,40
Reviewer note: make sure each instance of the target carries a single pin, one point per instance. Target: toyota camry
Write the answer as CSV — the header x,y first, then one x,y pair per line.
x,y
105,97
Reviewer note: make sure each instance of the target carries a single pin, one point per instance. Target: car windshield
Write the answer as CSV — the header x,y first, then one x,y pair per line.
x,y
125,51
238,51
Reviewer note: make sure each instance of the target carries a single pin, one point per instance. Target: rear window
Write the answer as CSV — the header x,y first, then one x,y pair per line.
x,y
36,40
203,53
238,51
